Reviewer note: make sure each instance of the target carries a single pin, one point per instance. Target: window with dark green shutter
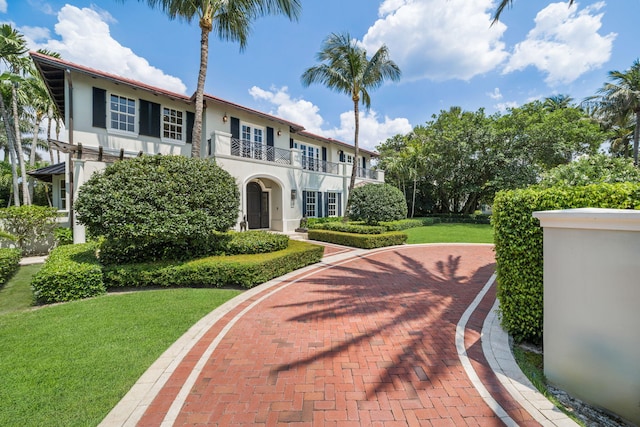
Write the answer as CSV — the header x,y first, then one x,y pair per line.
x,y
99,108
270,152
191,118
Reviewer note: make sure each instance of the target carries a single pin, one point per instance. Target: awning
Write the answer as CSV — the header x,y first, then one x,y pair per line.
x,y
46,173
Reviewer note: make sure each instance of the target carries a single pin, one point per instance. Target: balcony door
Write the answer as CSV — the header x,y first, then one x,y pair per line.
x,y
257,206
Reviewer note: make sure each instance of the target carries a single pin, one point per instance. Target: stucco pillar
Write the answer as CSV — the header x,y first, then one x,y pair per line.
x,y
592,306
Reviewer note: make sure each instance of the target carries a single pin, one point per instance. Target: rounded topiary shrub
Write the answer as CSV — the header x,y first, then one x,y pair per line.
x,y
373,203
158,207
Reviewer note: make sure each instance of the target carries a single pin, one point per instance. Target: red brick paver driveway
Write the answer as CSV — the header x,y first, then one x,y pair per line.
x,y
369,341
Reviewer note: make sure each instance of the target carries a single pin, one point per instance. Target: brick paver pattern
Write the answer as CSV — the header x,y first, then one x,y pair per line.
x,y
370,342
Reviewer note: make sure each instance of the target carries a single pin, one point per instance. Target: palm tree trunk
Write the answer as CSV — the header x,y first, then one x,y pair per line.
x,y
12,154
202,75
413,202
19,151
354,169
636,137
34,144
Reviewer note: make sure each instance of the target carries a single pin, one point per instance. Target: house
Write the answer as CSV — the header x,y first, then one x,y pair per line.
x,y
283,172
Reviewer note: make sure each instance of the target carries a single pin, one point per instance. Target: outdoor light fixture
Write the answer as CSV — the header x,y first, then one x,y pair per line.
x,y
294,194
225,118
279,132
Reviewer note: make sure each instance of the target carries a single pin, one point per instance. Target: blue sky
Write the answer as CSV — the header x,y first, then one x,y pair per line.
x,y
447,50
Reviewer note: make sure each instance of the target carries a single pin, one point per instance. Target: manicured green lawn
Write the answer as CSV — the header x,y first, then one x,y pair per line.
x,y
16,293
451,233
69,364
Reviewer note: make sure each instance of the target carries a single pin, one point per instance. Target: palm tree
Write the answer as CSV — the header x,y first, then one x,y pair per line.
x,y
503,5
231,20
345,68
557,102
621,97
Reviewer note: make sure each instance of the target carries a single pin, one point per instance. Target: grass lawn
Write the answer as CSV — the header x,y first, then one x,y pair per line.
x,y
451,233
69,364
16,293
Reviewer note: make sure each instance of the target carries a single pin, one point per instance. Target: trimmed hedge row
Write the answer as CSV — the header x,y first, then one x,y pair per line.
x,y
405,224
350,228
9,261
364,241
71,272
217,271
451,218
518,245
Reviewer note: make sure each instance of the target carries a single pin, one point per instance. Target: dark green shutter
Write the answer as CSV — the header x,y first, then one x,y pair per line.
x,y
235,128
326,204
149,118
339,200
364,163
99,108
191,118
324,159
304,203
270,153
319,205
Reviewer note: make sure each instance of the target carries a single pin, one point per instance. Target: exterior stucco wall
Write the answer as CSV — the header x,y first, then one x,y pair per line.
x,y
591,306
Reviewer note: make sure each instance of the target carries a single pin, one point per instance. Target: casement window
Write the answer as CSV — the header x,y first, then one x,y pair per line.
x,y
332,204
172,124
251,140
311,204
122,113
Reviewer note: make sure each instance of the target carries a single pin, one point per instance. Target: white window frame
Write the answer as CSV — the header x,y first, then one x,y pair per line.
x,y
312,200
310,157
182,125
110,112
61,198
252,147
332,203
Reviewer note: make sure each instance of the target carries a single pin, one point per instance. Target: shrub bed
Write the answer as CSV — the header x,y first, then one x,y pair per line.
x,y
452,218
518,245
71,272
9,261
364,241
217,271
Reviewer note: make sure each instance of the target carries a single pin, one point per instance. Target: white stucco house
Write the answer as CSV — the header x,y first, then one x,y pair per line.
x,y
282,171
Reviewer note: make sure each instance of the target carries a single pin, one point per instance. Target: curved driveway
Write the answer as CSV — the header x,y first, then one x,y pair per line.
x,y
365,338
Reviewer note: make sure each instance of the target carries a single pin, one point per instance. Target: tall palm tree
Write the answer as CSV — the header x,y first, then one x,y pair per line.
x,y
621,97
503,5
12,49
231,19
344,67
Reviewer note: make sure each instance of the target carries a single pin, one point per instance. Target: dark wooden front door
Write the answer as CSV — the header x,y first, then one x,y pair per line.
x,y
257,206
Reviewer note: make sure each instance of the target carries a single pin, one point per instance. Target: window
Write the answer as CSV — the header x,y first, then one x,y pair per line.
x,y
349,158
251,141
123,113
310,157
172,124
63,194
311,204
332,204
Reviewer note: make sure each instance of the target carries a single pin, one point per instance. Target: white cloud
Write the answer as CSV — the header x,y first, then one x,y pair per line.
x,y
504,106
564,44
85,38
373,130
3,6
495,94
439,39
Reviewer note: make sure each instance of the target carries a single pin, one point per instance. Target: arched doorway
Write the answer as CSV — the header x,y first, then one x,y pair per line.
x,y
257,206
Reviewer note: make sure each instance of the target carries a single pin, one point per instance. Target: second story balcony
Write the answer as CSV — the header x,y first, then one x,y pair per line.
x,y
223,145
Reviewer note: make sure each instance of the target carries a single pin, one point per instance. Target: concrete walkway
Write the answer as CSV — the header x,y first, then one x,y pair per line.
x,y
401,336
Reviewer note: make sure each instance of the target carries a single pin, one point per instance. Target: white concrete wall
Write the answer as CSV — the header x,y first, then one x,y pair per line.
x,y
592,306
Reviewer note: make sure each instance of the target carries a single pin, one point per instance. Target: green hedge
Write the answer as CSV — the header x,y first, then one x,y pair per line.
x,y
364,241
217,271
518,245
405,224
9,261
71,272
350,227
452,218
255,242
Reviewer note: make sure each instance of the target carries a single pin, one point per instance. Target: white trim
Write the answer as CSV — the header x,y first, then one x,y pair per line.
x,y
591,218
